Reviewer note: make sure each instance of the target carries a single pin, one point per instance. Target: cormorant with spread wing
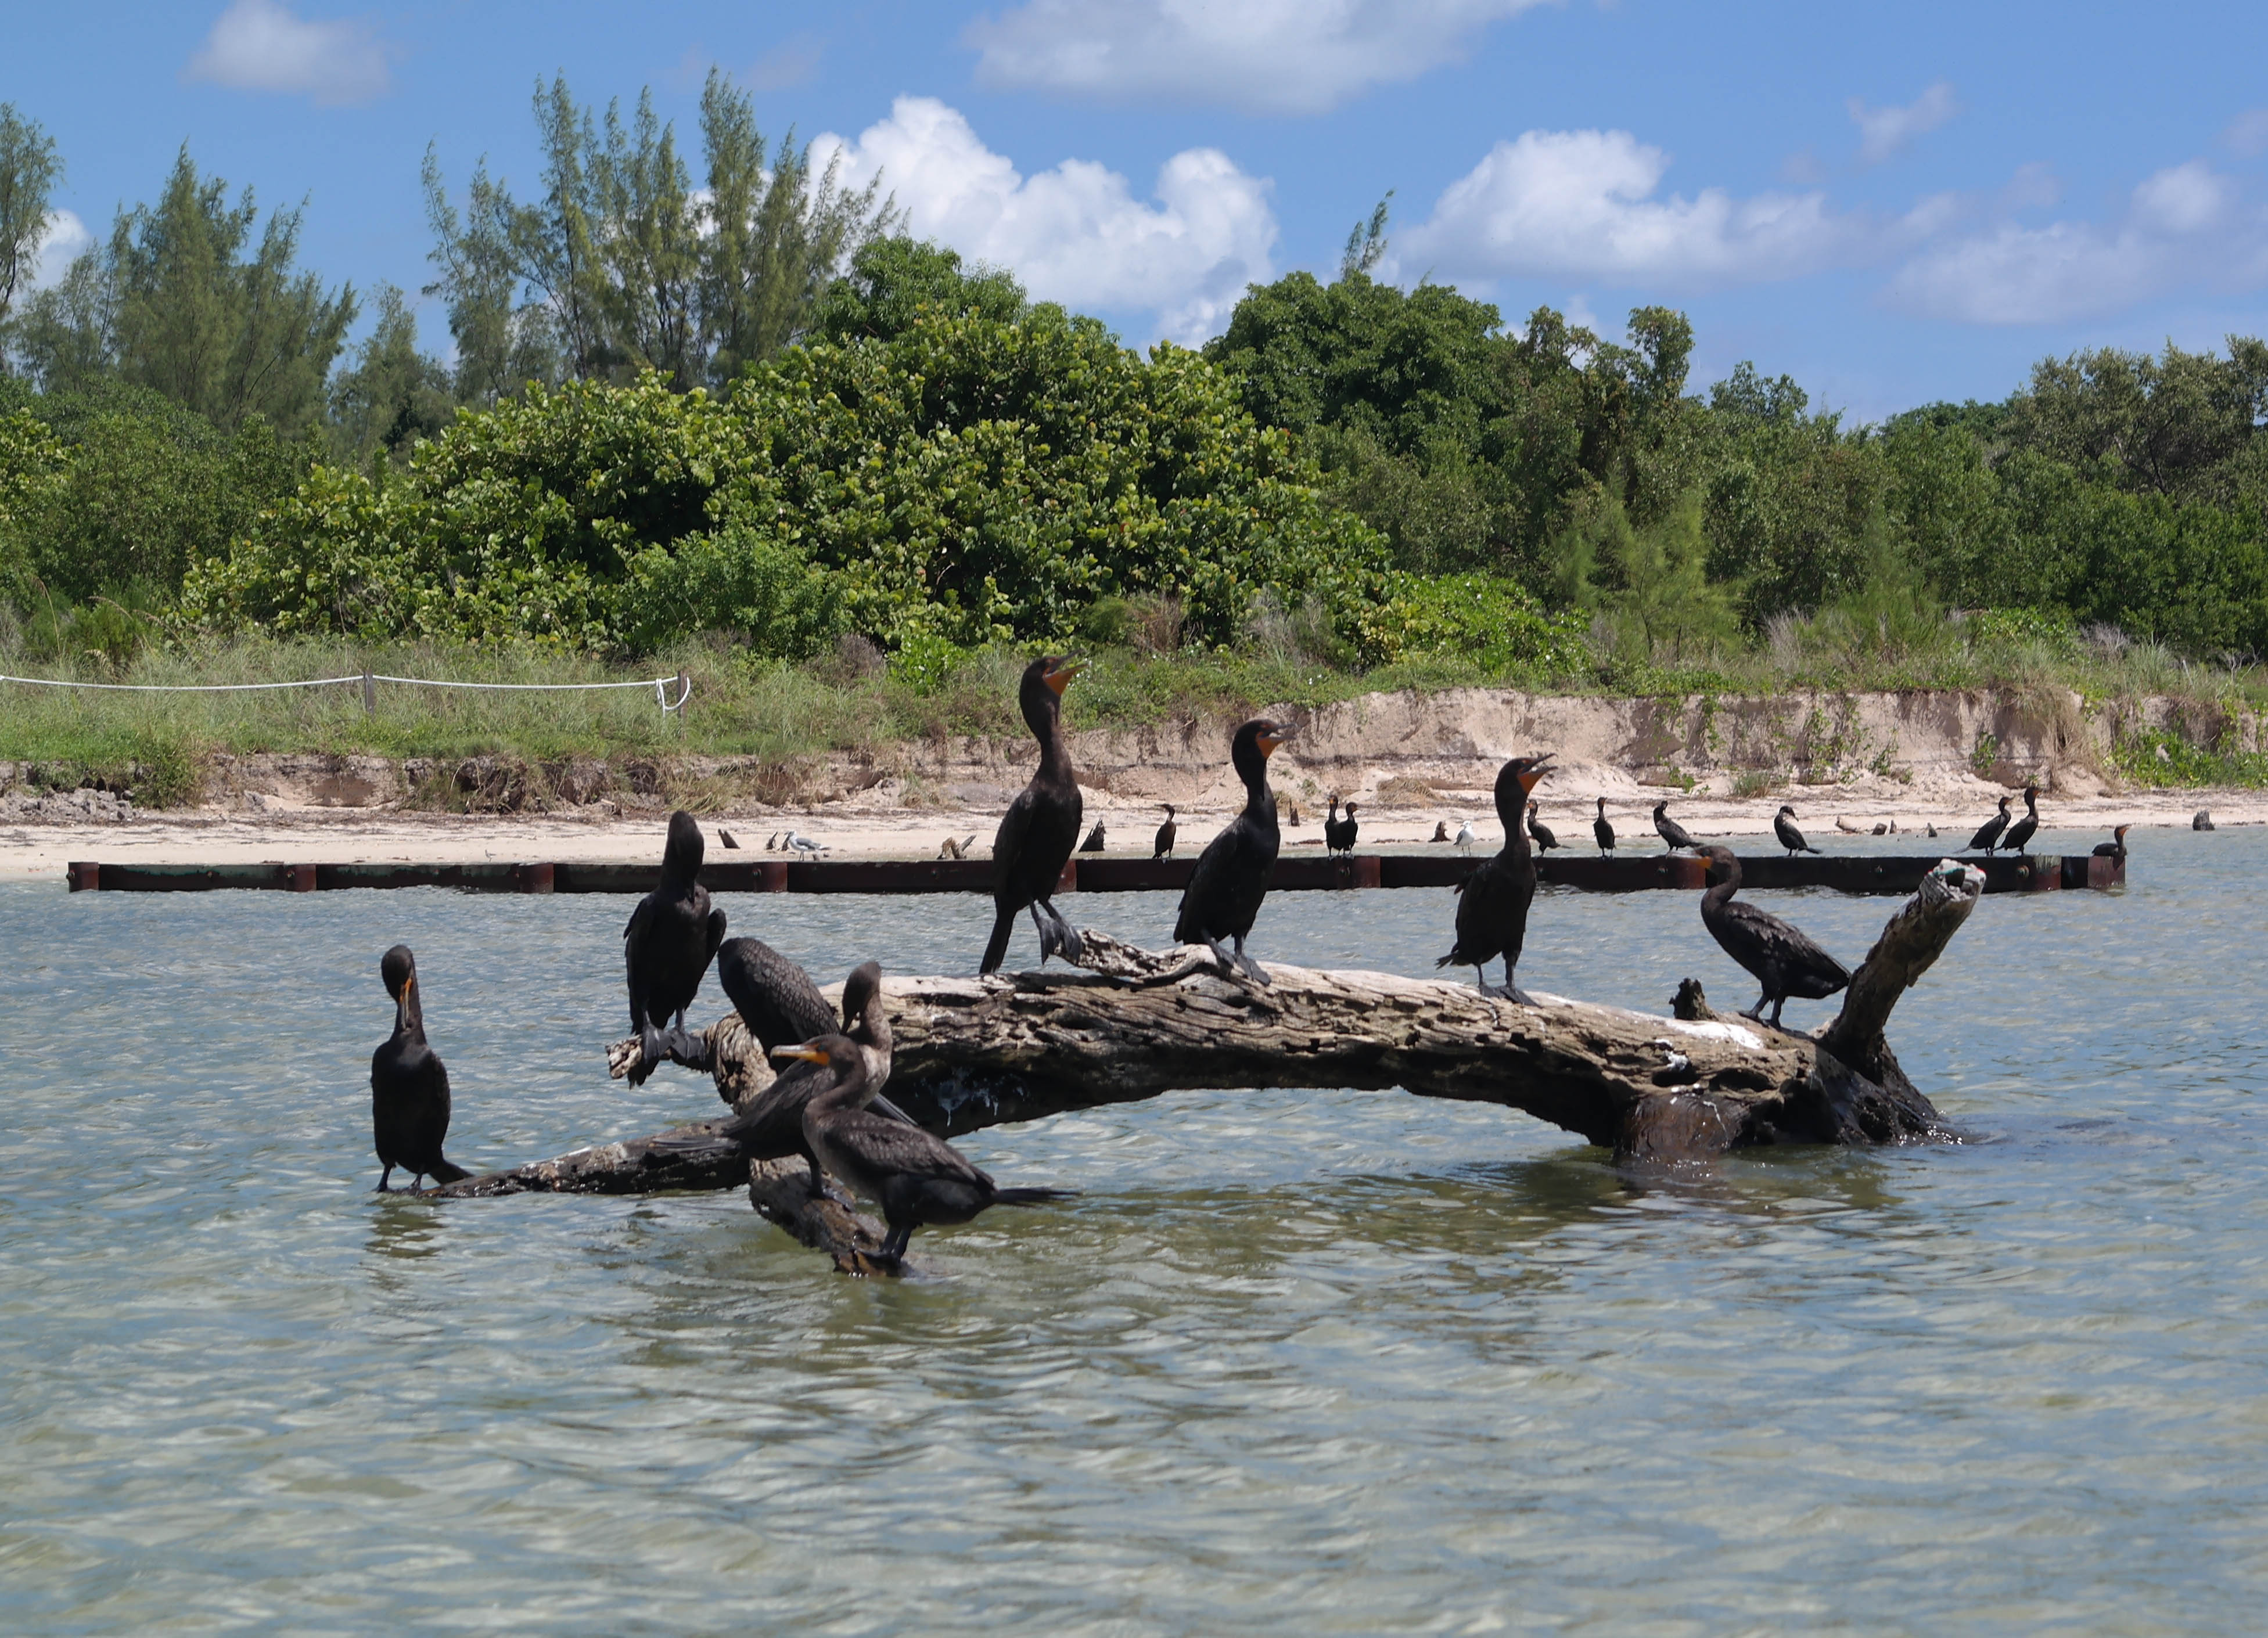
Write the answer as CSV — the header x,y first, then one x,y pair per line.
x,y
668,944
915,1177
1988,833
1604,829
1669,830
2023,829
1780,958
1041,827
1492,902
408,1087
1790,838
1231,879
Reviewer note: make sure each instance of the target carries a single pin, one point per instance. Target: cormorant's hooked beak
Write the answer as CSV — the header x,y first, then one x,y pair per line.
x,y
809,1055
1269,742
1532,775
1059,675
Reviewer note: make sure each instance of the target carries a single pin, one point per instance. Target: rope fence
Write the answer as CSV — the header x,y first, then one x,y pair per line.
x,y
682,682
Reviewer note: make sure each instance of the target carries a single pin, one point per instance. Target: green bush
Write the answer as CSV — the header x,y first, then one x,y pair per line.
x,y
1494,623
736,579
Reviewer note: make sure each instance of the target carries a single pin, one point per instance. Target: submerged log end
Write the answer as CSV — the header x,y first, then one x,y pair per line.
x,y
781,1192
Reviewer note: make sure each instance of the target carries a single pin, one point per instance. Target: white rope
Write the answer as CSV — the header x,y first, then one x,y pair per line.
x,y
660,684
197,687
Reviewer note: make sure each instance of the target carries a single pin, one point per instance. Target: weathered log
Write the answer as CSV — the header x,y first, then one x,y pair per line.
x,y
977,1052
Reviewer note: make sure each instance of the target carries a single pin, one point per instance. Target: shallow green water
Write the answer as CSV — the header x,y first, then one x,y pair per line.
x,y
1296,1362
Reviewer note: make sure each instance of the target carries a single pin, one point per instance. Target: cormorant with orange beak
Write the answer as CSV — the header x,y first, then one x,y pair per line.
x,y
1225,892
1041,827
1492,902
408,1087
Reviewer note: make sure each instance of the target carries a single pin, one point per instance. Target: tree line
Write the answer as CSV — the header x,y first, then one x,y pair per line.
x,y
728,394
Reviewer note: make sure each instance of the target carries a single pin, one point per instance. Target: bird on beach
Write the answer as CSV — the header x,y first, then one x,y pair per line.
x,y
948,849
1781,958
793,842
1790,838
1988,833
1161,845
1094,841
1492,902
1339,834
2116,847
2022,830
771,842
1538,831
726,837
1041,827
1604,829
916,1178
1465,837
1441,830
1669,830
408,1087
668,944
1230,879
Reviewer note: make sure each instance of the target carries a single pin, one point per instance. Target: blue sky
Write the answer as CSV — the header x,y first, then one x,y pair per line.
x,y
1893,204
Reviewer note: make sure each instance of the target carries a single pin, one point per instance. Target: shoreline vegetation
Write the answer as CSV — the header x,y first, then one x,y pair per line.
x,y
848,484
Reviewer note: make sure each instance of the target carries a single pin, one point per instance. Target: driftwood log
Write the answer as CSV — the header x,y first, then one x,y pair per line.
x,y
977,1052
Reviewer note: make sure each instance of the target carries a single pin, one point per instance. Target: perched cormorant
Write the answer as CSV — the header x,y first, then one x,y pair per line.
x,y
408,1088
666,945
1538,831
2023,830
1161,845
1339,834
1492,902
1041,827
1441,830
1988,833
2116,847
916,1178
726,837
1669,830
1603,830
1790,838
1094,842
774,996
771,1127
2202,820
1230,879
1781,959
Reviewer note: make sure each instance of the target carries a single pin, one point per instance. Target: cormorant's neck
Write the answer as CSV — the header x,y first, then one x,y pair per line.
x,y
409,1016
850,1092
1252,768
1717,897
1043,715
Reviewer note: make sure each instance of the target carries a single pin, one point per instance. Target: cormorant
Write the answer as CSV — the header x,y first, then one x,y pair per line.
x,y
1538,831
1339,834
1094,842
771,1127
1604,831
666,945
1988,833
1441,830
1669,830
1781,959
1161,845
1230,879
774,996
1041,827
1790,838
408,1088
726,837
2021,831
915,1177
1492,902
2116,847
2202,820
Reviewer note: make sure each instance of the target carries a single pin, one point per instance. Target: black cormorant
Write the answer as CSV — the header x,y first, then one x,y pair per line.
x,y
1339,834
774,996
1041,827
2023,830
1790,838
1669,830
1161,845
1230,879
771,1127
1492,902
1603,830
1095,843
1441,830
915,1177
666,945
1538,831
408,1088
1988,833
2116,847
1781,959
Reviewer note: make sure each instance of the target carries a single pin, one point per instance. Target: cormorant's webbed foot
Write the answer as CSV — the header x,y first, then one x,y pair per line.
x,y
651,1051
1251,969
1517,996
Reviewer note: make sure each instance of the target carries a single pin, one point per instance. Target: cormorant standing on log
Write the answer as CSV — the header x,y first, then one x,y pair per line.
x,y
1790,838
1492,902
1782,959
774,996
916,1178
1339,834
1988,833
408,1087
666,945
1604,830
2116,847
1161,846
771,1127
1095,843
1230,879
2023,830
1042,825
1669,830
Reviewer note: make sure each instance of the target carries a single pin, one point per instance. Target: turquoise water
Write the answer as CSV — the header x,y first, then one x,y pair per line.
x,y
1296,1362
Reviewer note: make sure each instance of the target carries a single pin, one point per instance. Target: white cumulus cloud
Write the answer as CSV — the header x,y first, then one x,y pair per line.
x,y
66,236
2182,226
260,45
1279,56
1883,132
1075,234
1582,205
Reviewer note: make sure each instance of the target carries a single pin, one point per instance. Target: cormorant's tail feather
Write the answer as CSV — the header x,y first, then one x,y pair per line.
x,y
1032,1196
441,1172
1452,959
996,948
